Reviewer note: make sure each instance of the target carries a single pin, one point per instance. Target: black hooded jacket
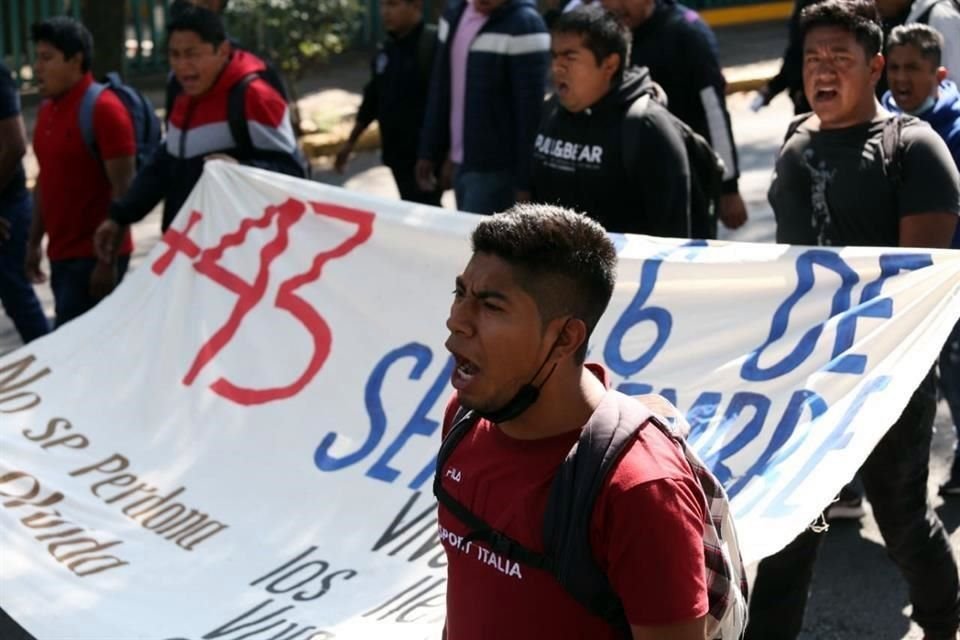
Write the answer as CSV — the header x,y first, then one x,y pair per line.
x,y
682,54
580,161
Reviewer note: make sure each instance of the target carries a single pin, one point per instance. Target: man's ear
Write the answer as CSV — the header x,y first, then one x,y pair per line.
x,y
876,67
573,333
610,65
76,59
941,74
224,49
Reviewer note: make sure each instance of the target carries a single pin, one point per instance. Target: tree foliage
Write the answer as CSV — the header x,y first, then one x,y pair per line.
x,y
295,34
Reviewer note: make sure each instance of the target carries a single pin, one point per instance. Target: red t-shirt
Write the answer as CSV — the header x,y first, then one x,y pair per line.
x,y
646,534
75,193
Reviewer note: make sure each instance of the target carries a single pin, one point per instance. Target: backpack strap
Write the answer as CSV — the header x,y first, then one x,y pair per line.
x,y
795,125
237,115
573,494
85,117
499,543
892,149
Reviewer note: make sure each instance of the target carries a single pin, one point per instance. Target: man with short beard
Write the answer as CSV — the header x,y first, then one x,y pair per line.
x,y
832,187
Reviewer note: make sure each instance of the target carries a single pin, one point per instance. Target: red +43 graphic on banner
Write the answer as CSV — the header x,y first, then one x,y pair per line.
x,y
207,262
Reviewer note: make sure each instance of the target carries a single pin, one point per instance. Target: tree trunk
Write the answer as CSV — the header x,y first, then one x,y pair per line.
x,y
109,34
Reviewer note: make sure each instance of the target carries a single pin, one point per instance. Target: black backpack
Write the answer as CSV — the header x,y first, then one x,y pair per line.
x,y
146,124
706,170
579,480
237,120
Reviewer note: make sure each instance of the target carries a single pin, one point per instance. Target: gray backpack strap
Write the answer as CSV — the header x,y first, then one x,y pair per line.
x,y
85,117
892,149
579,481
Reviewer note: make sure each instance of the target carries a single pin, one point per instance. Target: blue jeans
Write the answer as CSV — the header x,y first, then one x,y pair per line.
x,y
16,293
70,281
895,481
950,387
484,192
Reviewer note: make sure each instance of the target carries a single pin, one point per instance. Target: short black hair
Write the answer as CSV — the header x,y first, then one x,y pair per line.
x,y
603,33
924,37
859,17
185,16
66,35
178,5
563,259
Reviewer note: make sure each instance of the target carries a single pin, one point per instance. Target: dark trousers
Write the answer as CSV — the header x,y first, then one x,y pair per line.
x,y
410,191
895,481
10,630
950,387
16,293
484,192
70,281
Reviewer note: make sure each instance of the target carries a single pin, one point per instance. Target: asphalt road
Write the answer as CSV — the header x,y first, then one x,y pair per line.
x,y
857,591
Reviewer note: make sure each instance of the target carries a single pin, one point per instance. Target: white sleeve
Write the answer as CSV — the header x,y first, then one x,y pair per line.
x,y
945,19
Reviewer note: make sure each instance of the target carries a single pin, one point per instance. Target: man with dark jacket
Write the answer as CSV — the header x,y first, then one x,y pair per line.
x,y
919,86
681,52
16,294
606,147
486,94
396,95
199,127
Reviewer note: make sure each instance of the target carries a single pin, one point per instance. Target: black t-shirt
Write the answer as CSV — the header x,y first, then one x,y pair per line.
x,y
10,108
831,187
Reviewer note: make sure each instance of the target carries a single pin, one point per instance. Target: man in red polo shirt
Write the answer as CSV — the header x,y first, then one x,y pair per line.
x,y
75,187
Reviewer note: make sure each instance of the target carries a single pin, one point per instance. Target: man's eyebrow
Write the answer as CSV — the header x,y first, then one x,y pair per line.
x,y
483,294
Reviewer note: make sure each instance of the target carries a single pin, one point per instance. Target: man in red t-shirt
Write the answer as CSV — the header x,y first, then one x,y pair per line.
x,y
75,187
523,311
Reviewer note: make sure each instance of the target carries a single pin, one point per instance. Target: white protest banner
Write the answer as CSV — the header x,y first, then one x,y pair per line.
x,y
239,442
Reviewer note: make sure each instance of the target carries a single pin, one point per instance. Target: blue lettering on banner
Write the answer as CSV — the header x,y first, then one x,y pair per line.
x,y
872,305
776,449
636,313
806,277
718,437
419,424
741,401
838,438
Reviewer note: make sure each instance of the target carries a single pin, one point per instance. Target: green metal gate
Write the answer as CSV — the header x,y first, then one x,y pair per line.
x,y
144,38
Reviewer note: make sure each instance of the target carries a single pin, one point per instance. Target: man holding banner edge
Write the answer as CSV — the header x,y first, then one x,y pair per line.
x,y
899,188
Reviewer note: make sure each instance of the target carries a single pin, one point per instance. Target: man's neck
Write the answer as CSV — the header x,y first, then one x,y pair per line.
x,y
73,85
400,34
866,115
565,404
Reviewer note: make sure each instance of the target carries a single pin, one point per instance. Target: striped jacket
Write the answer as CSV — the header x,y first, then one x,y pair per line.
x,y
506,80
197,127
